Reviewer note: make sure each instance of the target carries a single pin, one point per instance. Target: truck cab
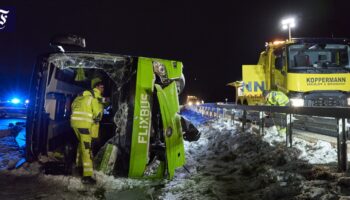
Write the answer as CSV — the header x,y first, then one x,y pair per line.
x,y
311,71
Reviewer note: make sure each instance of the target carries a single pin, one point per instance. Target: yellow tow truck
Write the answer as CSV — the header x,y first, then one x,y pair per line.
x,y
311,71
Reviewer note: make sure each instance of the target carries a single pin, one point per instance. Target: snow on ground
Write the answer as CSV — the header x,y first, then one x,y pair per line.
x,y
321,152
228,164
10,153
224,163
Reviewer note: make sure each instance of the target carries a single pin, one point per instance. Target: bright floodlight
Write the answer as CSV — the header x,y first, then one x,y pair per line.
x,y
288,23
15,101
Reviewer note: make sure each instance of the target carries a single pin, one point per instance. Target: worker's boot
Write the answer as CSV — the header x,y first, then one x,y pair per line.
x,y
88,180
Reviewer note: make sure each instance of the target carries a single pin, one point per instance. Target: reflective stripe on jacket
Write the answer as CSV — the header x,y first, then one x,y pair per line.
x,y
277,98
86,109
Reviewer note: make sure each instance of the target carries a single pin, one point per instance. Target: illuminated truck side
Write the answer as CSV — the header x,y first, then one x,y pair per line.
x,y
312,72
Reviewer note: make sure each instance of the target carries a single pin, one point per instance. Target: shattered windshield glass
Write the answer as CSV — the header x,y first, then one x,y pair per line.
x,y
116,67
319,56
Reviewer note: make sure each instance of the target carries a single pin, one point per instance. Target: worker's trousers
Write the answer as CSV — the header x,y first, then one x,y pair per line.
x,y
278,120
84,156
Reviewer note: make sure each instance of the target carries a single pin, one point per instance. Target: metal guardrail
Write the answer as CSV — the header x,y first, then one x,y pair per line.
x,y
341,114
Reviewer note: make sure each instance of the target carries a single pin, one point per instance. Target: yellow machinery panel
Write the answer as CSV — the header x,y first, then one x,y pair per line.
x,y
253,83
313,82
253,79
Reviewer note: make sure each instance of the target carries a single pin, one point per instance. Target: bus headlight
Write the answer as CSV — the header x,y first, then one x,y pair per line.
x,y
297,102
160,70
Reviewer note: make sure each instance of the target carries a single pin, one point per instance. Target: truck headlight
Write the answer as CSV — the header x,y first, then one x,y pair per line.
x,y
198,103
297,102
190,103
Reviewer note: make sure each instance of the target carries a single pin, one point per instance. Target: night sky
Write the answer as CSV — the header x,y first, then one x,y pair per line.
x,y
212,39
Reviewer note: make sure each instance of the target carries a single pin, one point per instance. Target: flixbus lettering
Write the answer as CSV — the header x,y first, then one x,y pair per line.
x,y
145,114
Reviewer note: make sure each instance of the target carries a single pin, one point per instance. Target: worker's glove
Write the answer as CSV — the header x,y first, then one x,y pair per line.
x,y
106,100
98,118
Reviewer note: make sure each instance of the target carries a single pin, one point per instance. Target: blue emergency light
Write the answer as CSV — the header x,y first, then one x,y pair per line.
x,y
15,101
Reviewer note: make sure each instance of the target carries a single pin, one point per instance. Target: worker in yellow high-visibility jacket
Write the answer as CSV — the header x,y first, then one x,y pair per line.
x,y
87,111
277,98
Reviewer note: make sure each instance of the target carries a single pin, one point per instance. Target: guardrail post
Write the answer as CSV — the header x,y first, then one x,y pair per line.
x,y
289,131
262,122
233,116
342,146
244,120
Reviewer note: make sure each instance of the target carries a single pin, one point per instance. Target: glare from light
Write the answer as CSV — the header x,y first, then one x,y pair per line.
x,y
278,42
297,102
190,103
198,103
289,22
284,27
348,101
27,101
15,101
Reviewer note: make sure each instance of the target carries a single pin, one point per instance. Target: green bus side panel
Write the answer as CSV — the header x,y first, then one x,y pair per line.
x,y
142,118
169,107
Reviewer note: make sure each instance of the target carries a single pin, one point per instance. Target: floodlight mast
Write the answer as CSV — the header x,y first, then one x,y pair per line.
x,y
288,23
